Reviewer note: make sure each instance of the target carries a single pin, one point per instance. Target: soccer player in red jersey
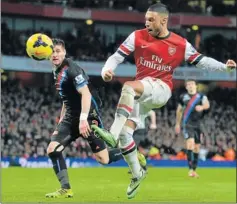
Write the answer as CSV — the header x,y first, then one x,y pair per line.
x,y
157,53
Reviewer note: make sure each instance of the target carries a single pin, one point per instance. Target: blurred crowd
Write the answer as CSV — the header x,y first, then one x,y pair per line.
x,y
212,7
30,114
88,44
83,43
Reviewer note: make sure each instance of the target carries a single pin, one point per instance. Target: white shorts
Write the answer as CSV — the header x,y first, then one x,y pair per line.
x,y
156,94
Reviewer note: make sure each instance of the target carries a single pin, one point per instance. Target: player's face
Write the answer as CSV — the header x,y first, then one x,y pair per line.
x,y
58,55
191,87
154,23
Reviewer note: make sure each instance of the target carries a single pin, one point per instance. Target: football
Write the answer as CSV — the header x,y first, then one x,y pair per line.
x,y
39,47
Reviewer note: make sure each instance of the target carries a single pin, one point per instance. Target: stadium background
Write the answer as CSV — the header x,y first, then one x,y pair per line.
x,y
92,30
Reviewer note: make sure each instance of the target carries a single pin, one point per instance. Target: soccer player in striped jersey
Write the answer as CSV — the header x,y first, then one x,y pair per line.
x,y
157,53
190,112
80,109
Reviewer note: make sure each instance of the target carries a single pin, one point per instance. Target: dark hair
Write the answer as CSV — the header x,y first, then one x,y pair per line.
x,y
188,80
159,8
57,41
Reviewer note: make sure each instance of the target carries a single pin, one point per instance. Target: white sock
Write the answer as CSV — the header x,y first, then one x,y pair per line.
x,y
129,150
124,109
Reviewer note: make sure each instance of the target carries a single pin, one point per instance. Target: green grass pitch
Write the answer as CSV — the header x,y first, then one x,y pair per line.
x,y
110,184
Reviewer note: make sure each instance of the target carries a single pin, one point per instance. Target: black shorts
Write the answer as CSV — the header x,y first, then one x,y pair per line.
x,y
139,135
67,131
193,132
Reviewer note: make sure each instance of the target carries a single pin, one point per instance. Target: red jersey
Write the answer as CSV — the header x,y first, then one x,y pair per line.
x,y
158,57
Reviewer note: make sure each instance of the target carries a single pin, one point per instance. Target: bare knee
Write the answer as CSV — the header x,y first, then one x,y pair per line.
x,y
52,146
190,144
102,157
102,160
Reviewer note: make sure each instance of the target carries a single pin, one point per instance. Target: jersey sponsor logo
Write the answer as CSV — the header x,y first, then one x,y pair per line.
x,y
155,63
79,79
171,50
156,58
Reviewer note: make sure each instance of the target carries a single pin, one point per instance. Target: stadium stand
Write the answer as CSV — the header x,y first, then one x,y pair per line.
x,y
29,115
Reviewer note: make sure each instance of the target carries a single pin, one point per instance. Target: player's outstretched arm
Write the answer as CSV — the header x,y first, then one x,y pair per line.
x,y
204,62
214,65
118,57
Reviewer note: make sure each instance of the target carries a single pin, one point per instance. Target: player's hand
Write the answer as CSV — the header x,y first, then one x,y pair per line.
x,y
84,128
177,129
231,64
153,126
199,108
108,75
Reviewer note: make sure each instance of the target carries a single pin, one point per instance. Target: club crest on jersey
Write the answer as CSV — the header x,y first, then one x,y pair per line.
x,y
172,50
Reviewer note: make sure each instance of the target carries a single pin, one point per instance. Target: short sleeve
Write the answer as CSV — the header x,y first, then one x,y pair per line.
x,y
77,74
204,99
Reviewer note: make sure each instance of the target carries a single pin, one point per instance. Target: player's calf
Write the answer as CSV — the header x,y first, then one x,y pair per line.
x,y
190,148
102,157
54,151
129,150
102,154
196,156
107,156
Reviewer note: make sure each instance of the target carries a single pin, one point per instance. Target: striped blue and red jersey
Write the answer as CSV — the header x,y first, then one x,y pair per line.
x,y
189,102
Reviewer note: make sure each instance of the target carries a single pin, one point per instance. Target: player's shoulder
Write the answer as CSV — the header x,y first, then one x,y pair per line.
x,y
72,65
177,38
185,96
202,95
74,68
141,32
